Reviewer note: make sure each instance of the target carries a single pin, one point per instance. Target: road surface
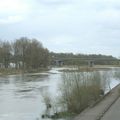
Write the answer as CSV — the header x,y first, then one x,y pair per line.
x,y
114,112
107,109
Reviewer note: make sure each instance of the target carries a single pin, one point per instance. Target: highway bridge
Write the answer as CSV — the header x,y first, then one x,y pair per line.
x,y
85,61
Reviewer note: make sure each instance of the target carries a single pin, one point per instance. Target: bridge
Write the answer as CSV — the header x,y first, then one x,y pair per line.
x,y
85,61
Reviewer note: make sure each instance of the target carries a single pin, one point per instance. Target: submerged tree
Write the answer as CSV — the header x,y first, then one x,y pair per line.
x,y
20,47
5,53
30,53
25,53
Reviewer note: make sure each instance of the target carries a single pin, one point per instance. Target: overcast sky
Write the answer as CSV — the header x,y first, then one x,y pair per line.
x,y
79,26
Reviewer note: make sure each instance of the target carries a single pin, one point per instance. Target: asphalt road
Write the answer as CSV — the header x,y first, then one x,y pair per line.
x,y
114,112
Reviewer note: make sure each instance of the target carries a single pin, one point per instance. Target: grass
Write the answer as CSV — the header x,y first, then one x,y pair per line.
x,y
13,71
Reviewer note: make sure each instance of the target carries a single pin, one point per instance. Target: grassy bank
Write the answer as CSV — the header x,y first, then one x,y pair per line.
x,y
11,71
88,69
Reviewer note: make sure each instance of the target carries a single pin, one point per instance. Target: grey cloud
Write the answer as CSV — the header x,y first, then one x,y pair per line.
x,y
86,26
54,2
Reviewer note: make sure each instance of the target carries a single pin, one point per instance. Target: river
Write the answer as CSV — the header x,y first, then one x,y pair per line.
x,y
21,95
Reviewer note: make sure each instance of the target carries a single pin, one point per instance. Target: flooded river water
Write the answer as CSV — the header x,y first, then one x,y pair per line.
x,y
20,95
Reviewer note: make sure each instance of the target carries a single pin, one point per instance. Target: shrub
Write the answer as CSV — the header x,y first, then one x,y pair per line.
x,y
79,90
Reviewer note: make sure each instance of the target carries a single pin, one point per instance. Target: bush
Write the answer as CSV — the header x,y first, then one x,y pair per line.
x,y
79,90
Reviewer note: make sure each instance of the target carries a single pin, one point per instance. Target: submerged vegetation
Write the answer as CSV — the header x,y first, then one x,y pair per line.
x,y
29,55
23,54
77,91
79,88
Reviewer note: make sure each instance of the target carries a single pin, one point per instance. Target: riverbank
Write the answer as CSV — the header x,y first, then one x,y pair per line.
x,y
96,112
87,69
11,71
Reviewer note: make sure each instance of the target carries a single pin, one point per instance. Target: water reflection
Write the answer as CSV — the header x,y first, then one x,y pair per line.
x,y
20,95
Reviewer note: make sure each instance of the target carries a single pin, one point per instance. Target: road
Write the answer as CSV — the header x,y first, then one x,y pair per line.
x,y
114,112
109,107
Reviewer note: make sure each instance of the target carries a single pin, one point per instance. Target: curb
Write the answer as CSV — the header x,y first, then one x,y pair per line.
x,y
102,106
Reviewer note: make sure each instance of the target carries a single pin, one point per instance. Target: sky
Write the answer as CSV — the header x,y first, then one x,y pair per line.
x,y
78,26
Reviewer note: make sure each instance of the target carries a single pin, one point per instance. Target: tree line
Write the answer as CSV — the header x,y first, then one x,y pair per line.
x,y
82,59
25,53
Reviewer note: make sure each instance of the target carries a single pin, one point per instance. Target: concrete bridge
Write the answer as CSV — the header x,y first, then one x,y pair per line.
x,y
88,61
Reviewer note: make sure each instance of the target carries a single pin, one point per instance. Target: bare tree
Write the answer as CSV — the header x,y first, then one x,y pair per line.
x,y
31,53
5,53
